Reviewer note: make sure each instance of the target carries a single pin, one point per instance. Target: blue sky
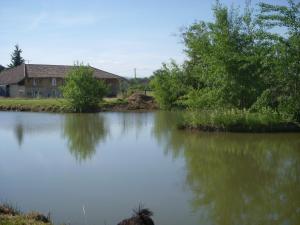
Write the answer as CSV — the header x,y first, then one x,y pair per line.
x,y
116,36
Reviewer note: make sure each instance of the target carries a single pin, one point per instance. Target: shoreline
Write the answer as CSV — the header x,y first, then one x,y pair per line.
x,y
288,127
138,105
59,110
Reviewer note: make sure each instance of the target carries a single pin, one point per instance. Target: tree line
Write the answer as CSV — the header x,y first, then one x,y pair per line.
x,y
241,60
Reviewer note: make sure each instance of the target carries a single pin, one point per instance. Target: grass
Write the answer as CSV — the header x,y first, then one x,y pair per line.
x,y
21,104
49,104
19,220
110,102
238,120
10,215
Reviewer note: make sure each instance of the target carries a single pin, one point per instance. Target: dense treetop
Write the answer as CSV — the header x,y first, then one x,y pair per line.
x,y
238,61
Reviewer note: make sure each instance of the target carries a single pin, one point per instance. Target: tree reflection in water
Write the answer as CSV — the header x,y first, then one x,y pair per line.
x,y
19,133
83,133
237,178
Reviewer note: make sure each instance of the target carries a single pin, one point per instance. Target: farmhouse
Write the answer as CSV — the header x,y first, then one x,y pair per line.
x,y
36,80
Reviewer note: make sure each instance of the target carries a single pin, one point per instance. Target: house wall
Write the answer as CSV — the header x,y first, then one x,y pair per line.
x,y
114,86
43,87
3,90
16,91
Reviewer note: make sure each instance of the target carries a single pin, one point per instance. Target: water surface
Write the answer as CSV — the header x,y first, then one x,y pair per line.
x,y
108,163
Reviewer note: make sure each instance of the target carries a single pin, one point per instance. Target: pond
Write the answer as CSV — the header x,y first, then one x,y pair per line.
x,y
109,163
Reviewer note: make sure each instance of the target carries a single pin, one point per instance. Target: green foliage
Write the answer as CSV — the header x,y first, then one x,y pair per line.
x,y
137,85
16,58
35,105
168,83
237,120
284,55
238,61
82,90
221,57
204,98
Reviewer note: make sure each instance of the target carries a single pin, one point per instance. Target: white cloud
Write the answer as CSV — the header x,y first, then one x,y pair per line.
x,y
60,19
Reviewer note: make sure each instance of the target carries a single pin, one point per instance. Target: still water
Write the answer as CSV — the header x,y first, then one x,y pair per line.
x,y
108,163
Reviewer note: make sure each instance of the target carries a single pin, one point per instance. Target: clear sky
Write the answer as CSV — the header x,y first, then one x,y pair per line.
x,y
116,35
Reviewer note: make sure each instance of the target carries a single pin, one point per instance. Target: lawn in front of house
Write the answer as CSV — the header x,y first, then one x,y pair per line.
x,y
49,104
23,104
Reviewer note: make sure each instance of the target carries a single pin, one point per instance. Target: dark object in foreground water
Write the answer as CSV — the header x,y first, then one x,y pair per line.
x,y
141,216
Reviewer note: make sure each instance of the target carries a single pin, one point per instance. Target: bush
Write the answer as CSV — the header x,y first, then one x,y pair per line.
x,y
201,99
237,120
82,90
168,85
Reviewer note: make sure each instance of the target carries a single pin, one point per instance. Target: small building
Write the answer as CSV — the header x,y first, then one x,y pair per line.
x,y
36,80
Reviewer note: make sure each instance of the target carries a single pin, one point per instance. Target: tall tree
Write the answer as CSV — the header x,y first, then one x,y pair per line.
x,y
16,58
284,54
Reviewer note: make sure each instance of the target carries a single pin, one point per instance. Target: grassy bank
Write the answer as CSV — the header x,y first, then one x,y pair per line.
x,y
11,216
34,105
52,105
135,103
20,220
238,121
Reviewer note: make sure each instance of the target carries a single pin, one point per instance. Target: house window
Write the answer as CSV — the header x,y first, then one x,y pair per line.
x,y
53,81
35,82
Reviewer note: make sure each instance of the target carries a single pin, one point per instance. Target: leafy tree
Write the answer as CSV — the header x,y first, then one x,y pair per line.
x,y
238,61
223,66
82,90
16,58
283,55
223,59
168,83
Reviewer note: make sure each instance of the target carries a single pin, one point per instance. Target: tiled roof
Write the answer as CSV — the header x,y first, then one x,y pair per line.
x,y
15,75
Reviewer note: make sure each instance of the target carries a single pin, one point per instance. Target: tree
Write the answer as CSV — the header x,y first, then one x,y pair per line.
x,y
16,58
283,56
223,59
168,84
82,90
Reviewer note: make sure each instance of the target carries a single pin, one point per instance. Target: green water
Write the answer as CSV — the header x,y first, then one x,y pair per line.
x,y
108,163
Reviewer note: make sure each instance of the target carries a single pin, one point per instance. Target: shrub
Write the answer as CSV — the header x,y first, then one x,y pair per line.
x,y
236,120
82,90
168,85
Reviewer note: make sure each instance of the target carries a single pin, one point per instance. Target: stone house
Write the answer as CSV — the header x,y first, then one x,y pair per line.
x,y
36,80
